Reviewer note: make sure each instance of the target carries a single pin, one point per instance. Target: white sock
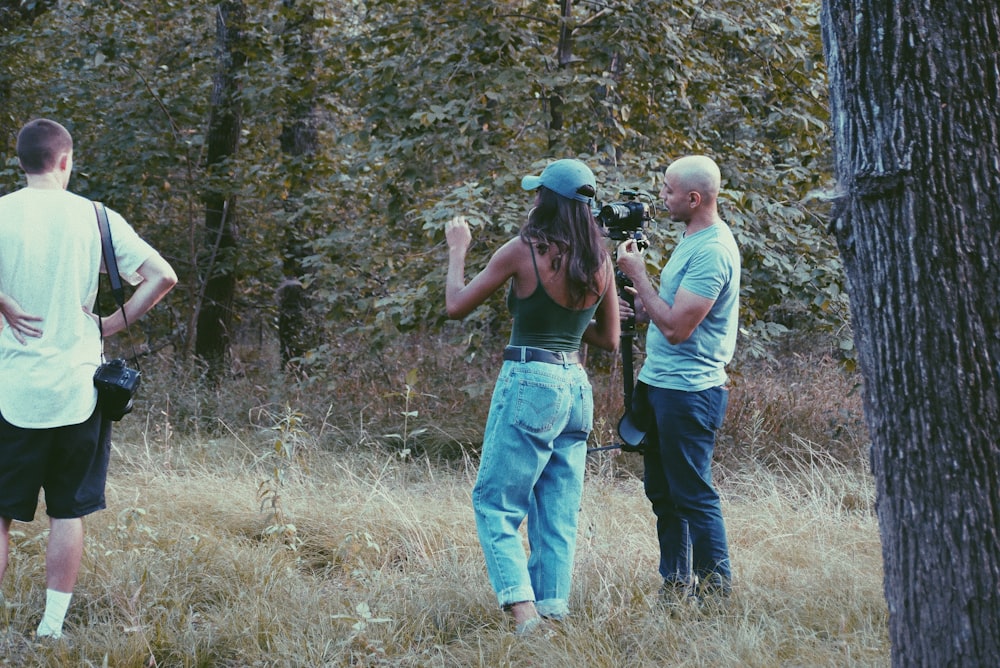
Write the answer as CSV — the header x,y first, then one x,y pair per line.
x,y
56,604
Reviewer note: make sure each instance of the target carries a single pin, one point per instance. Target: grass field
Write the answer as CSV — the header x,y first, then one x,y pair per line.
x,y
332,526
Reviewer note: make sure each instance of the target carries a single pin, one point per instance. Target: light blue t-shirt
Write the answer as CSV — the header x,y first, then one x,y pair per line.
x,y
706,263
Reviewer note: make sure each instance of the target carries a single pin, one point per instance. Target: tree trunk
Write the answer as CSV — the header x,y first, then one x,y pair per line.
x,y
13,15
215,315
564,57
297,330
915,106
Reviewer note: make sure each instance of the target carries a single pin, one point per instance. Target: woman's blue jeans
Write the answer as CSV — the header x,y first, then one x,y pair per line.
x,y
678,482
533,460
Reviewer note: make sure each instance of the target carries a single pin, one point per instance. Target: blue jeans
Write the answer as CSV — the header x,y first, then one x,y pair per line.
x,y
678,482
533,460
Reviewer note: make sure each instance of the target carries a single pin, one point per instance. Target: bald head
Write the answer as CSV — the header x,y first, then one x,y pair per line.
x,y
697,173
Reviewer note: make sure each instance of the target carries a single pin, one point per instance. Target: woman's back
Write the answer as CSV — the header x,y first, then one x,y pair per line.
x,y
545,312
567,248
544,265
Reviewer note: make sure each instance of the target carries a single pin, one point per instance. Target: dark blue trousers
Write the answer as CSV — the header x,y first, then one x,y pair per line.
x,y
678,483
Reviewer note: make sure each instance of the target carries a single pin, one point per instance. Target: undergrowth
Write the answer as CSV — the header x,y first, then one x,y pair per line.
x,y
273,521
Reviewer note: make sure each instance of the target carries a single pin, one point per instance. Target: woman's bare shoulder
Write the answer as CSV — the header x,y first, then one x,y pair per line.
x,y
515,249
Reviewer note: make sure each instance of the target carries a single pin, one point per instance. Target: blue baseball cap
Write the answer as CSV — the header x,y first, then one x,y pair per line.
x,y
564,177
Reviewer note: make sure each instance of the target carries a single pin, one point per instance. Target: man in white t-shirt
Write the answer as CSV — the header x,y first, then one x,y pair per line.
x,y
52,434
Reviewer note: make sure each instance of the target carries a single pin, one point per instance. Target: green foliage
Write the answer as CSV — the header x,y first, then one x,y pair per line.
x,y
425,114
648,82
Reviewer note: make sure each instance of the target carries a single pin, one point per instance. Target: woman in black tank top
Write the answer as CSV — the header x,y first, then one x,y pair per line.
x,y
535,441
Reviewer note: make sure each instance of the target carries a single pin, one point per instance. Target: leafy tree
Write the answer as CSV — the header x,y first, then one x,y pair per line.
x,y
417,114
122,78
134,83
14,15
457,105
916,103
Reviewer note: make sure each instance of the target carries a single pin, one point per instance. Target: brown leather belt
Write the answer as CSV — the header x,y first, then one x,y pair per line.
x,y
529,354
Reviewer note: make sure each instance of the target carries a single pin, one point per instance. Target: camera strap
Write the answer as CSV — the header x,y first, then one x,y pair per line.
x,y
114,278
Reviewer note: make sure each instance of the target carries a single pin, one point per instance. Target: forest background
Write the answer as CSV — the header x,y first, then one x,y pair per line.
x,y
295,162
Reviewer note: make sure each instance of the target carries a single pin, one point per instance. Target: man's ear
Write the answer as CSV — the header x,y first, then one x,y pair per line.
x,y
694,198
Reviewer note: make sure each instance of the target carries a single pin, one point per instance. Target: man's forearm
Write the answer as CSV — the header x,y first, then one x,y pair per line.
x,y
158,278
656,310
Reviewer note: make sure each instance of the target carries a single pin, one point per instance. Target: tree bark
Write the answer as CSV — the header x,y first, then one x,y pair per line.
x,y
564,58
215,315
915,107
297,330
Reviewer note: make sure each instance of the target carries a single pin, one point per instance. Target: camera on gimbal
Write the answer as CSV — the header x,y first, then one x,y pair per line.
x,y
623,221
626,219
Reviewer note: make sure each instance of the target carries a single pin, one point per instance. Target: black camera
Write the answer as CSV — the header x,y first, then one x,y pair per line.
x,y
626,218
623,221
116,384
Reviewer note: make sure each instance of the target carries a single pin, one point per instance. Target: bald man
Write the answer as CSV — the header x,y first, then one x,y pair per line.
x,y
694,320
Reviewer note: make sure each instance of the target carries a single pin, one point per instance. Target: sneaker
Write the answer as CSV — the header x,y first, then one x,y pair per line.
x,y
714,592
676,597
534,627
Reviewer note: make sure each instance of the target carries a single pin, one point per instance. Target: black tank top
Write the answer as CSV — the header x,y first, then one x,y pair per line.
x,y
540,322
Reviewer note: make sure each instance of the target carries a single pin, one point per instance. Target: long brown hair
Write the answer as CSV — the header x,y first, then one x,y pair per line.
x,y
569,226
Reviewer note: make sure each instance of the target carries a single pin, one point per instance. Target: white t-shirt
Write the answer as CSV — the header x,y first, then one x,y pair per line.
x,y
50,255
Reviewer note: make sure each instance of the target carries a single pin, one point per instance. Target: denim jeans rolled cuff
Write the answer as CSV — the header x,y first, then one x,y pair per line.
x,y
516,594
553,608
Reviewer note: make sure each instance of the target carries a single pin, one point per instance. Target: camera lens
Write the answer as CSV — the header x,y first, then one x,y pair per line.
x,y
627,215
611,215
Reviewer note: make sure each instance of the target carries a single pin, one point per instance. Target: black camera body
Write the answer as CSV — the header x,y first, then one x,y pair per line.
x,y
622,221
116,384
626,219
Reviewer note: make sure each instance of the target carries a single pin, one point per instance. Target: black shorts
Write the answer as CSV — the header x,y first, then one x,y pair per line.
x,y
70,463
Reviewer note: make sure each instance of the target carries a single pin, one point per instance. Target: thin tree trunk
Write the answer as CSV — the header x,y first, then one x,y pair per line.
x,y
297,330
215,315
915,103
564,58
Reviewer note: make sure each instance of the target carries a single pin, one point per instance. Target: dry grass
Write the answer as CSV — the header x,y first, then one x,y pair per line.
x,y
306,535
